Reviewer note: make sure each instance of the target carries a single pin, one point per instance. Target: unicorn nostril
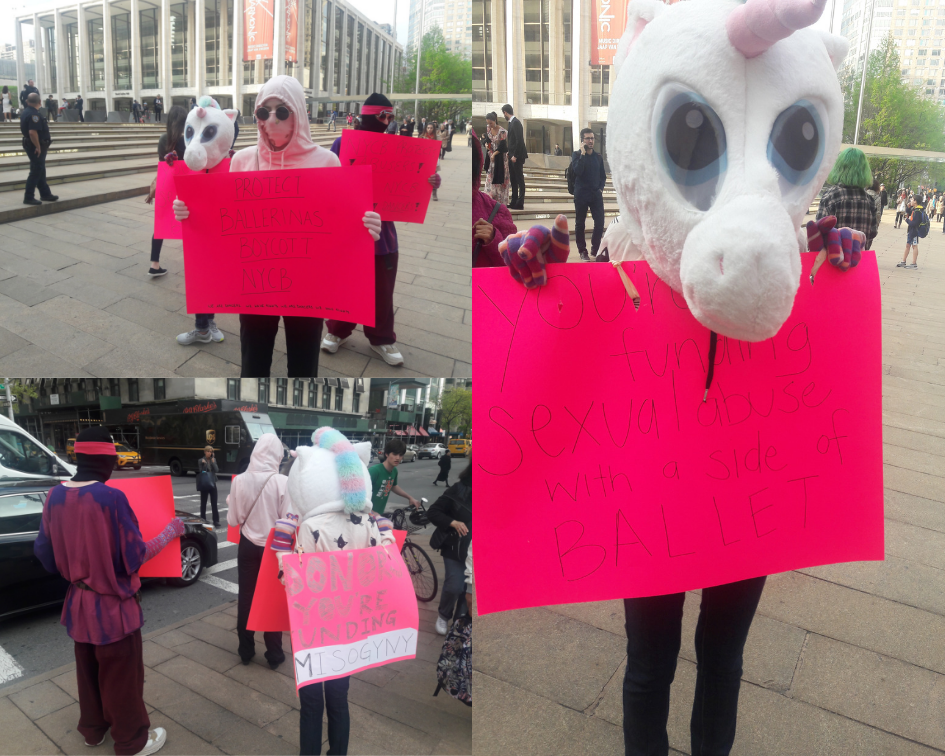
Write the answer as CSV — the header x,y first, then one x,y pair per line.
x,y
721,266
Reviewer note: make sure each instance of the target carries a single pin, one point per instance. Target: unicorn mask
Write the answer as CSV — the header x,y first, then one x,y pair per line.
x,y
208,134
725,120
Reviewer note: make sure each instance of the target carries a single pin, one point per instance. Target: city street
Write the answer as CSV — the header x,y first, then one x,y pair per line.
x,y
38,643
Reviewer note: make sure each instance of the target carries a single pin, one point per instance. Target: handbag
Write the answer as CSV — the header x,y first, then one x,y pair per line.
x,y
442,538
204,481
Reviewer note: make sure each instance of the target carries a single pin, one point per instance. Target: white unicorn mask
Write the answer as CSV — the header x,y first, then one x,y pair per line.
x,y
208,134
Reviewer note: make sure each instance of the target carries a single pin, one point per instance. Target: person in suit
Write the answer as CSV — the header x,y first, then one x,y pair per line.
x,y
517,158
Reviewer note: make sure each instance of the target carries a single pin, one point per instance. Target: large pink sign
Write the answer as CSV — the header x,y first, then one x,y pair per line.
x,y
603,473
152,501
165,225
349,610
289,242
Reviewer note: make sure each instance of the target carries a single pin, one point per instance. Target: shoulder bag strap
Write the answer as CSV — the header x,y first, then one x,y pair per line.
x,y
253,505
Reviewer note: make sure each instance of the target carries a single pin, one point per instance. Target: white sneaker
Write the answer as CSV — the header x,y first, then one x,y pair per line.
x,y
95,745
156,740
215,333
191,336
331,343
441,625
390,353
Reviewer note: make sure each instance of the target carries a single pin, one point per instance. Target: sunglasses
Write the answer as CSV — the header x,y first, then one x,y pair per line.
x,y
282,112
385,116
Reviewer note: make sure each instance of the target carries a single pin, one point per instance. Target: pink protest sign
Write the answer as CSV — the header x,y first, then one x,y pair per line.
x,y
401,166
152,501
349,610
590,417
287,242
165,226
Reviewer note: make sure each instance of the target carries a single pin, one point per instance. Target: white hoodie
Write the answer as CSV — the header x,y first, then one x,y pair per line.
x,y
273,502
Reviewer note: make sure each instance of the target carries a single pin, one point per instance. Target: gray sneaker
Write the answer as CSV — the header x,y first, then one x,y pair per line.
x,y
215,333
191,336
913,266
901,264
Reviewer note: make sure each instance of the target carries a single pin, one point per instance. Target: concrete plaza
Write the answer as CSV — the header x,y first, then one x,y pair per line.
x,y
841,660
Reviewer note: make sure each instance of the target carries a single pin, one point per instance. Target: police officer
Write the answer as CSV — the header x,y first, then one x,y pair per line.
x,y
36,141
26,92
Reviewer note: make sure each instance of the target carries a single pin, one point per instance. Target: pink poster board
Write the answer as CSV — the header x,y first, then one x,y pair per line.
x,y
269,612
287,242
152,501
401,166
165,226
590,417
349,610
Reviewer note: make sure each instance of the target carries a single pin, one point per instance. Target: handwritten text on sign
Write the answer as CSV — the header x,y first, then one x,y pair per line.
x,y
626,482
349,610
288,242
165,225
401,166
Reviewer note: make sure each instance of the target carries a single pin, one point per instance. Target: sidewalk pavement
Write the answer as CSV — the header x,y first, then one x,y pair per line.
x,y
843,659
197,689
75,298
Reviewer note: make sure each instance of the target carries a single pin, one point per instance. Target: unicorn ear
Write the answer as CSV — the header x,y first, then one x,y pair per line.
x,y
364,452
837,47
231,114
639,14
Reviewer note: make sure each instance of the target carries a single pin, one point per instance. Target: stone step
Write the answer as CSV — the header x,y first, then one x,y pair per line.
x,y
75,195
15,180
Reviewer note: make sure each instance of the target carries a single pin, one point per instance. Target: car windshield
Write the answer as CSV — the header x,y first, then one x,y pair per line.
x,y
428,446
123,448
257,429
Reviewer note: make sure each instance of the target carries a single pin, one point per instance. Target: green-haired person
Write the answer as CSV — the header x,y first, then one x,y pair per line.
x,y
845,196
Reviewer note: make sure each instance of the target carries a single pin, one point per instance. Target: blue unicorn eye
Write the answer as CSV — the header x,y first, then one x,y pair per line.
x,y
188,133
796,144
208,134
691,146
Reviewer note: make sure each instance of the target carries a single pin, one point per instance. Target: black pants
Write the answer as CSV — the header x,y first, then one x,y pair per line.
x,y
517,184
248,558
313,701
81,117
37,178
899,219
653,638
303,337
597,213
156,245
212,493
157,113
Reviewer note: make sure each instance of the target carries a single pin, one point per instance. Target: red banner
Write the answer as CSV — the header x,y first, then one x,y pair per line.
x,y
609,21
257,29
291,31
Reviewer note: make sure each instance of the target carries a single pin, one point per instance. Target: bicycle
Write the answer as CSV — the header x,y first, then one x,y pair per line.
x,y
422,573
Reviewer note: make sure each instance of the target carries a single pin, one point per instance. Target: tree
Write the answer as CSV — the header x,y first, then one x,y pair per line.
x,y
895,114
456,409
441,72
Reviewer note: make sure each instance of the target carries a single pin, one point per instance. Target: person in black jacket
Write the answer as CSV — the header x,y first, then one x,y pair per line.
x,y
589,180
445,463
517,157
452,515
208,463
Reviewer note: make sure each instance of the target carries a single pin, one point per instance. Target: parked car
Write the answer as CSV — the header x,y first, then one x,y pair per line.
x,y
24,583
413,447
432,451
410,455
127,457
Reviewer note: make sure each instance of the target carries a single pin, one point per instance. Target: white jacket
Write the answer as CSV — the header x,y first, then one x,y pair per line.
x,y
328,528
274,499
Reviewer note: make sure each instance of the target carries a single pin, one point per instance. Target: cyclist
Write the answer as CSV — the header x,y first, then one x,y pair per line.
x,y
384,477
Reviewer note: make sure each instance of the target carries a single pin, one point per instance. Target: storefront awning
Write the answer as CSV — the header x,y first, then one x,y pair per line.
x,y
411,431
423,432
399,433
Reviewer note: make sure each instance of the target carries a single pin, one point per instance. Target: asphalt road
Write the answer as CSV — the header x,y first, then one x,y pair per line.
x,y
38,643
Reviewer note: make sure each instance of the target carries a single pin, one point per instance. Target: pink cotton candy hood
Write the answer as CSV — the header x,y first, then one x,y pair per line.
x,y
299,152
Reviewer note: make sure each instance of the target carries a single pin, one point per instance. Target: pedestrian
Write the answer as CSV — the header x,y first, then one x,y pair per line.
x,y
236,128
36,141
207,467
411,126
557,151
332,463
846,197
497,175
193,103
146,111
931,205
901,206
7,102
26,92
449,139
172,140
443,136
384,477
517,157
349,119
50,106
916,218
377,113
79,105
884,196
405,127
589,180
284,142
445,462
452,515
429,132
257,499
89,535
158,107
392,127
331,120
491,220
873,194
136,111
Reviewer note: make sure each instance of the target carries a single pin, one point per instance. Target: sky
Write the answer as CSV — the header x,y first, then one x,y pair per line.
x,y
381,11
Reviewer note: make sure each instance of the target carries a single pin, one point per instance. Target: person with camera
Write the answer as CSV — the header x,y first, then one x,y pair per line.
x,y
589,181
207,484
452,515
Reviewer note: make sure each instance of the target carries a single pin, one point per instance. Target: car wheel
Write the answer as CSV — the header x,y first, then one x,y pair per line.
x,y
191,564
137,467
177,469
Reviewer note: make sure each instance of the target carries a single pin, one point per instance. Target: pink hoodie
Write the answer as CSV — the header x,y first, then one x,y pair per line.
x,y
301,151
273,500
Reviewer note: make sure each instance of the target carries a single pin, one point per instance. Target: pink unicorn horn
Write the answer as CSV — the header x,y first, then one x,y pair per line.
x,y
758,24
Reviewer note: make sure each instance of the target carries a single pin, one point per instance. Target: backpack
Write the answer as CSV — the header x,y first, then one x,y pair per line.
x,y
923,228
569,175
454,668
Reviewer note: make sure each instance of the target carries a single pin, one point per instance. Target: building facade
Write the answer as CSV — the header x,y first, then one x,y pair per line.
x,y
454,17
114,51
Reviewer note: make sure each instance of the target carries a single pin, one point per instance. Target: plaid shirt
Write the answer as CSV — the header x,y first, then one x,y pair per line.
x,y
853,207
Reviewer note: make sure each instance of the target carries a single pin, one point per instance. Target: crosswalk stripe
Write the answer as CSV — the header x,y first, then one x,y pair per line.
x,y
216,582
225,545
221,567
9,669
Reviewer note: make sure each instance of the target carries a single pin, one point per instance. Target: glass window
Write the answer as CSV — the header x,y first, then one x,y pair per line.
x,y
339,399
121,49
323,50
72,54
356,402
312,36
281,389
600,86
96,53
150,52
312,393
297,393
17,452
256,430
347,82
50,34
132,389
264,391
21,513
232,434
339,31
178,45
326,397
482,50
159,391
537,31
233,389
212,36
355,86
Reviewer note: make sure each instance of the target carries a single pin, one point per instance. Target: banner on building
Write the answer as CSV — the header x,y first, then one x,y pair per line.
x,y
291,31
257,29
610,20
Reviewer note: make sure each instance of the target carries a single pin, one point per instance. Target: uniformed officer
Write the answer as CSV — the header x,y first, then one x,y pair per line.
x,y
26,92
36,141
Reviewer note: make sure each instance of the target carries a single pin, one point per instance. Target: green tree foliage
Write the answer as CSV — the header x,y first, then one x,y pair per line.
x,y
895,114
441,71
456,410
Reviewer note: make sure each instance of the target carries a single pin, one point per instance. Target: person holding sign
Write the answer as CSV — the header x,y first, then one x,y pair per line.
x,y
330,490
284,142
172,140
90,536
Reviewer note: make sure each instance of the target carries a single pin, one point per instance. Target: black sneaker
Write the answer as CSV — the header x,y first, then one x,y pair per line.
x,y
50,198
32,201
154,273
584,256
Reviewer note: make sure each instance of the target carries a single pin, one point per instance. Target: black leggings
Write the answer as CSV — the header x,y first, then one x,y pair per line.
x,y
303,338
156,245
248,559
899,218
212,493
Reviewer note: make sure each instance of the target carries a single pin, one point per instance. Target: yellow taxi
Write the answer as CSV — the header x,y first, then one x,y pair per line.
x,y
127,457
70,450
459,447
